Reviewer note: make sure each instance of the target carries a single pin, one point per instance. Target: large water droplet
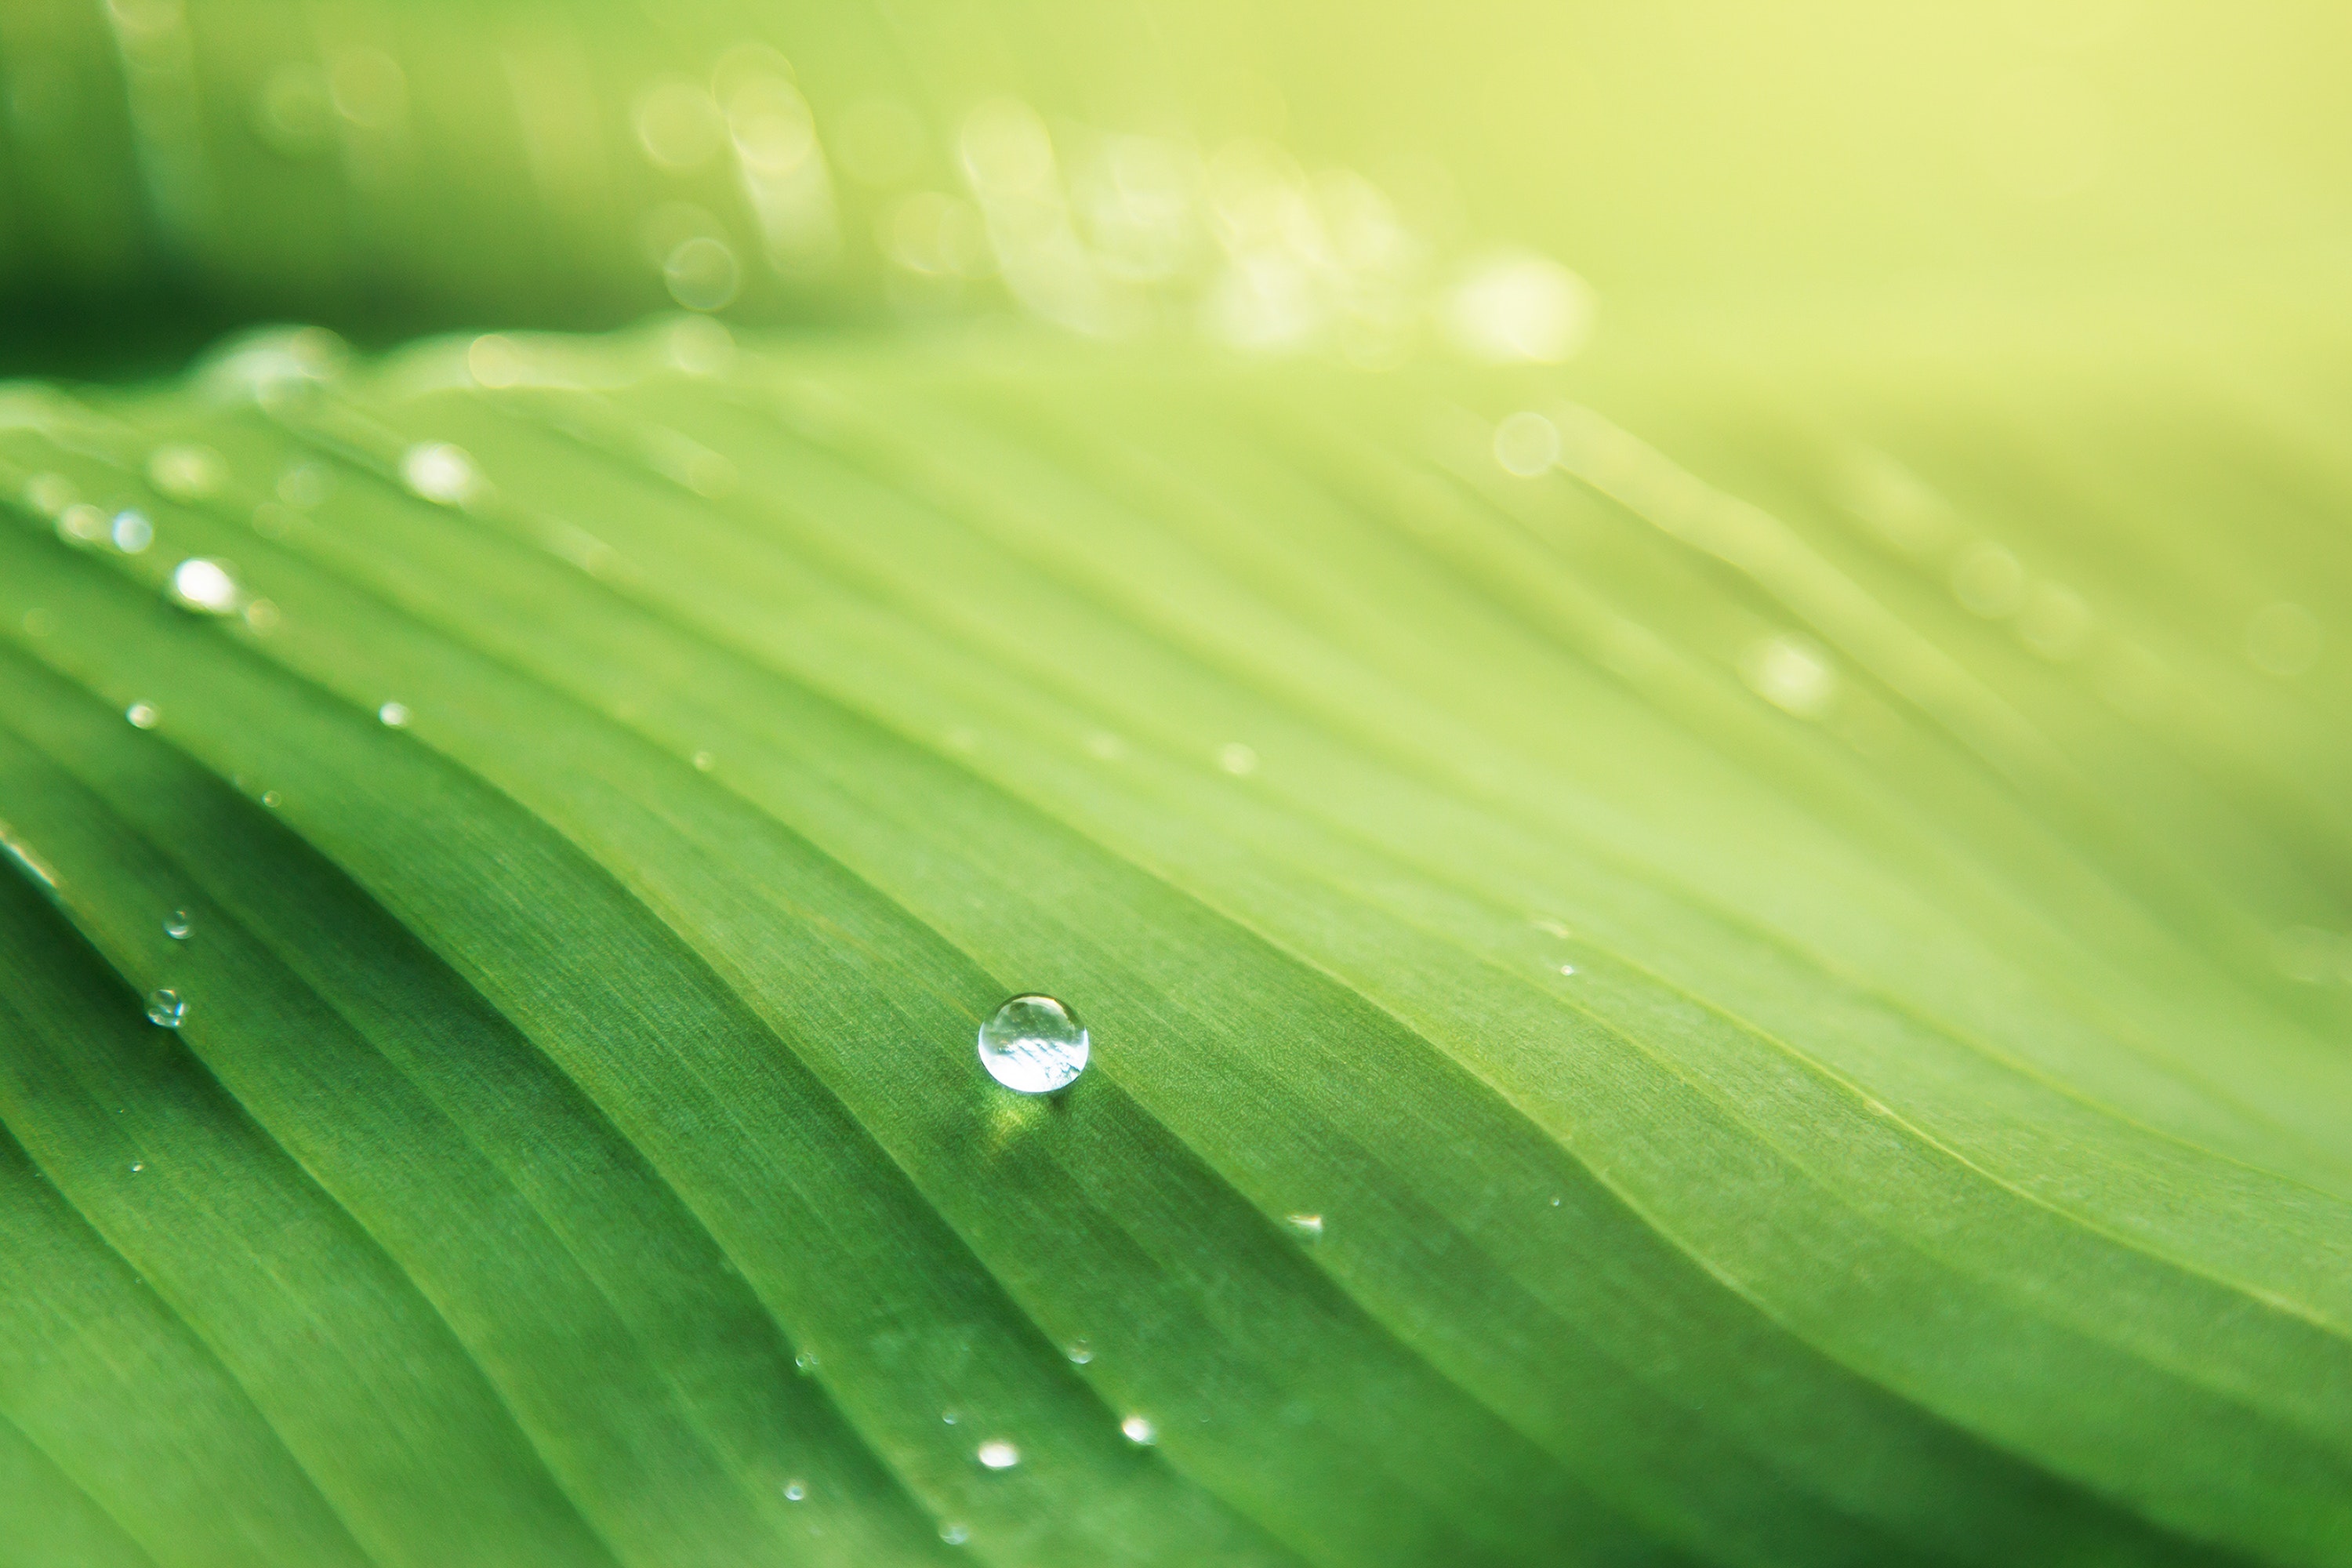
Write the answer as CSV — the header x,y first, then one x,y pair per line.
x,y
998,1455
795,1491
1032,1044
204,585
1139,1431
1079,1352
440,472
166,1008
143,715
176,925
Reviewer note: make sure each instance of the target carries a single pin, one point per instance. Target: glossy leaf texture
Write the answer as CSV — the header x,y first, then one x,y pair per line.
x,y
1755,978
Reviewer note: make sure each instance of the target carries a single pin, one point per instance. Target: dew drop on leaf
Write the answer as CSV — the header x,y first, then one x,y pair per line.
x,y
998,1455
805,1363
166,1008
1309,1226
440,472
143,715
1032,1044
954,1534
176,925
795,1491
1079,1352
204,585
1139,1431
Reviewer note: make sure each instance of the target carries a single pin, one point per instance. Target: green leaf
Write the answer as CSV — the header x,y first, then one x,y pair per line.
x,y
1765,988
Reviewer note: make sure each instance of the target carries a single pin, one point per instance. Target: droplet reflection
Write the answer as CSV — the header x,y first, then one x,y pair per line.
x,y
1032,1044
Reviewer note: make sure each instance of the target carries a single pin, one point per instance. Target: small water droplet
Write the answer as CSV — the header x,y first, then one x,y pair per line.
x,y
1551,928
186,472
143,715
704,761
1080,1353
1032,1044
1555,1202
1237,760
166,1008
1139,1431
1568,968
137,1166
998,1455
954,1534
269,798
1527,444
805,1363
1309,1226
131,533
201,584
393,715
950,1416
440,472
795,1491
176,925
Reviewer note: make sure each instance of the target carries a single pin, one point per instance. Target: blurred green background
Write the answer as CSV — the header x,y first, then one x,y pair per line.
x,y
171,167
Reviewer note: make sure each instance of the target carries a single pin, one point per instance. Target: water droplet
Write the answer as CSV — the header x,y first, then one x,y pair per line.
x,y
394,715
1309,1226
702,274
186,472
176,925
1031,1045
954,1534
1139,1431
137,1166
131,533
1080,1353
950,1416
1527,444
1552,928
1568,968
805,1363
166,1008
795,1491
1555,1202
49,494
1237,760
143,715
704,761
440,472
998,1455
1792,673
269,798
201,584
